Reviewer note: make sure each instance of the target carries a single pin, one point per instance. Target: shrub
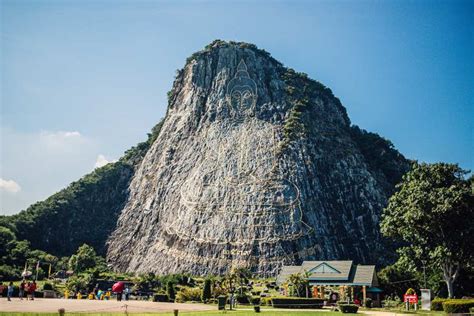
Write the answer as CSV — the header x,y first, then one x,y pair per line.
x,y
206,291
256,300
170,290
187,294
161,297
242,299
348,308
437,304
391,302
47,287
458,306
297,302
410,291
266,301
368,303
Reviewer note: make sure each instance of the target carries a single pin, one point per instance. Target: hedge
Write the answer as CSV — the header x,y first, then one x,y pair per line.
x,y
161,298
297,302
256,300
458,306
348,308
437,304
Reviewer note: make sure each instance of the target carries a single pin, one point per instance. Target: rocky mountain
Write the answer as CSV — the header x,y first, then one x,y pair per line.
x,y
255,166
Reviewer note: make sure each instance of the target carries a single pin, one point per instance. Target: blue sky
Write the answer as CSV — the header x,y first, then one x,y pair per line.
x,y
82,81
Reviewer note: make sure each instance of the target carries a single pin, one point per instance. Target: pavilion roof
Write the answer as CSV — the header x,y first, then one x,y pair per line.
x,y
334,272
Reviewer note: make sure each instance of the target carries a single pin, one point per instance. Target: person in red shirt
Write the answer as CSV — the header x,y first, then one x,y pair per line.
x,y
27,290
32,290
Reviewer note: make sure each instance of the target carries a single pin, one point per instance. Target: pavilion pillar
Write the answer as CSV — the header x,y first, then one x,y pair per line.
x,y
322,291
352,293
364,294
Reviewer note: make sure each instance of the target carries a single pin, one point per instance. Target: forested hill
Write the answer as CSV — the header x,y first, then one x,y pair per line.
x,y
84,212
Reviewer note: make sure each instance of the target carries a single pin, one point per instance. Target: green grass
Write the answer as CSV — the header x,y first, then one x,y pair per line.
x,y
204,313
402,310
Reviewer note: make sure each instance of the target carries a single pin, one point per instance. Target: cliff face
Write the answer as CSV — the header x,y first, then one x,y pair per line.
x,y
255,166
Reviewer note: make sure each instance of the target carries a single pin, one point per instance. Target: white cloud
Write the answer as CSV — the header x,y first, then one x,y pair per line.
x,y
61,139
43,162
102,161
9,186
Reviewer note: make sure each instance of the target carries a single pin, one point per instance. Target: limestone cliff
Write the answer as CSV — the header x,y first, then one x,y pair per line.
x,y
255,166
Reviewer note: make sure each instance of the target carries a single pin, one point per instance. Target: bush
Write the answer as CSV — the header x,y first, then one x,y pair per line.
x,y
437,304
47,287
368,303
242,299
206,291
256,300
170,290
297,302
348,308
458,306
161,297
187,294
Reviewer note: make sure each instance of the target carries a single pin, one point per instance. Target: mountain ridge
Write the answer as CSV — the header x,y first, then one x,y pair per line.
x,y
117,177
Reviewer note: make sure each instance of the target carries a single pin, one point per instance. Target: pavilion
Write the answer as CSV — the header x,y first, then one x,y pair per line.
x,y
360,279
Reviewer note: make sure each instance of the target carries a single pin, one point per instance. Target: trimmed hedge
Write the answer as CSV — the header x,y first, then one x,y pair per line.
x,y
457,306
297,302
161,298
437,304
348,308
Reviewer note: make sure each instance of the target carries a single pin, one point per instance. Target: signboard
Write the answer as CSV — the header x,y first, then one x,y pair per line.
x,y
410,298
426,299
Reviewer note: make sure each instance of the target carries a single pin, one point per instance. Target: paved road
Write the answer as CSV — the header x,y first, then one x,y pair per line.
x,y
72,305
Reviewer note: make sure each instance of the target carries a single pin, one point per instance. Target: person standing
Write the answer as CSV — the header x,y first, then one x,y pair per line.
x,y
32,290
119,295
21,291
10,291
127,293
27,290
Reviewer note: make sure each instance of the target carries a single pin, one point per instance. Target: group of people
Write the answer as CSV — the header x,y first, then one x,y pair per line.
x,y
27,288
98,294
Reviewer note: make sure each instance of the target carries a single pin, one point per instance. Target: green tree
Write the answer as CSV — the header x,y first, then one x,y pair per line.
x,y
6,239
432,212
299,282
85,258
206,291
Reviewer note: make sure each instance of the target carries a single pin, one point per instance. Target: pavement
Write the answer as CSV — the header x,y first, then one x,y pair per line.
x,y
88,306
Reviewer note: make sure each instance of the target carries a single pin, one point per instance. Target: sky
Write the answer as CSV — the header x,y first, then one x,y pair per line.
x,y
82,81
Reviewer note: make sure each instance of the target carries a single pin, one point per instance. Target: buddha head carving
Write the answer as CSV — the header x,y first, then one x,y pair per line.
x,y
241,93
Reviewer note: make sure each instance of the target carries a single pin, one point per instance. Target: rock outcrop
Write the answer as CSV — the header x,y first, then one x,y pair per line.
x,y
255,166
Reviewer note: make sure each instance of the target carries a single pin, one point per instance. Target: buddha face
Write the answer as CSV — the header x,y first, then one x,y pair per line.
x,y
242,97
242,91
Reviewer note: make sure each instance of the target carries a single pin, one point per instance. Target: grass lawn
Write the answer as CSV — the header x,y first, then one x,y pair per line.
x,y
402,310
205,313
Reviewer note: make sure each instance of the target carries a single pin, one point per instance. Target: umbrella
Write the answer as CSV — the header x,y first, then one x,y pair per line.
x,y
118,287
